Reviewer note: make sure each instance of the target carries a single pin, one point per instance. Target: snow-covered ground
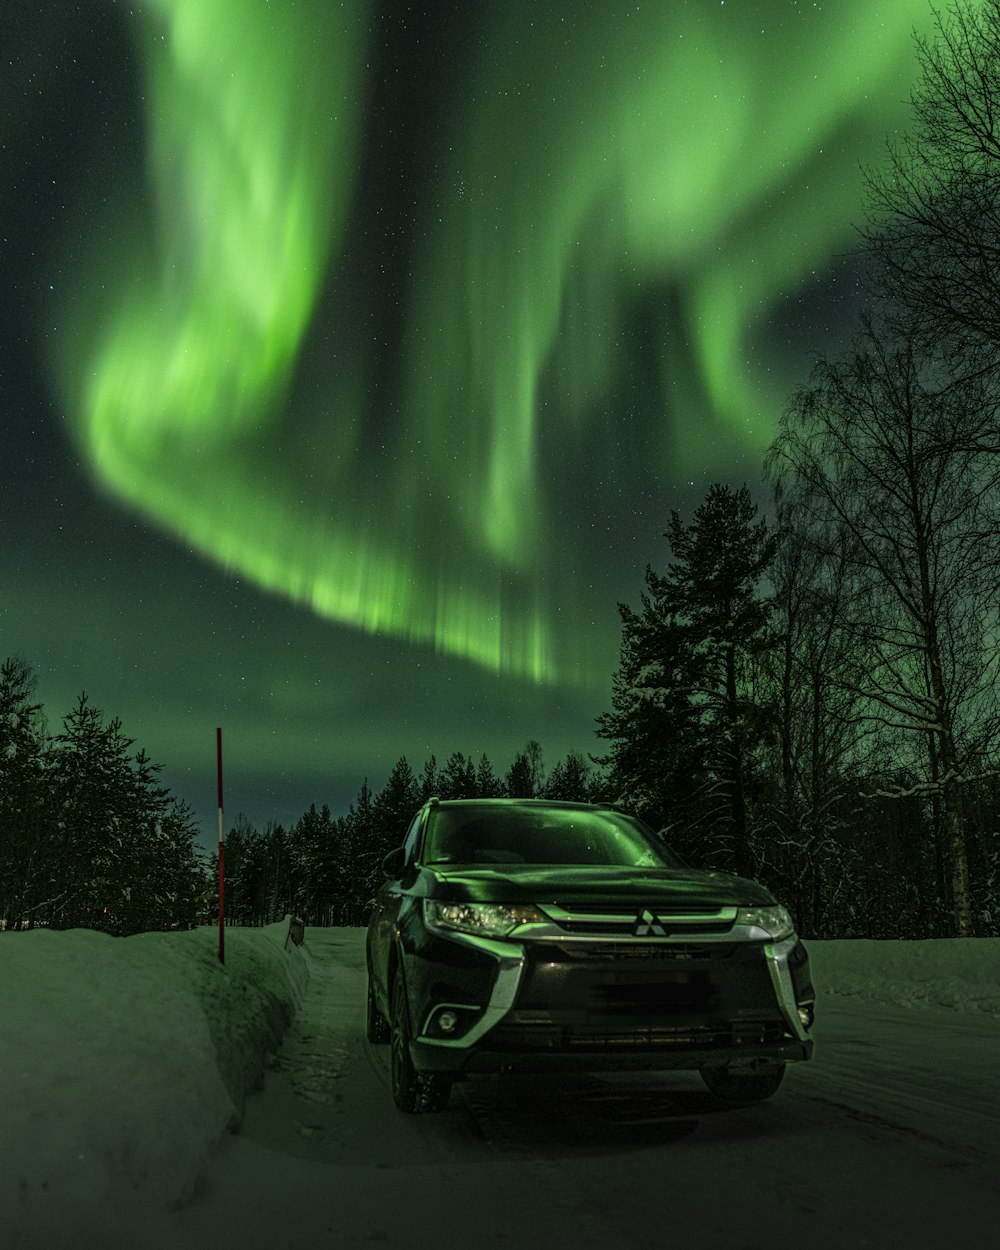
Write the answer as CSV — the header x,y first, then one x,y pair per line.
x,y
961,974
125,1062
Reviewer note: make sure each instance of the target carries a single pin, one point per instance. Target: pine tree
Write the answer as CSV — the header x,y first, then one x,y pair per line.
x,y
488,784
684,713
526,777
657,759
429,781
363,861
458,778
243,872
277,896
570,780
395,807
718,562
91,837
159,866
181,872
25,841
317,868
96,813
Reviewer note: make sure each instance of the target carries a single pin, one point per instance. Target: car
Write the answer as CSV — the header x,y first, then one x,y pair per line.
x,y
524,935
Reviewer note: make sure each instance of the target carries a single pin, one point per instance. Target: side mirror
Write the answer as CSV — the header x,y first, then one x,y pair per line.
x,y
392,865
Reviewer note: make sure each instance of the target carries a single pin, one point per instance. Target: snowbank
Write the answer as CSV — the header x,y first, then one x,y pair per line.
x,y
123,1060
962,974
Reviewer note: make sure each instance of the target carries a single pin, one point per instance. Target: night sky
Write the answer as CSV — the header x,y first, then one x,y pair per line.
x,y
354,355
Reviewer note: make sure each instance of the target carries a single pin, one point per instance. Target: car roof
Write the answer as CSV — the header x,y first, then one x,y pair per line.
x,y
559,804
544,804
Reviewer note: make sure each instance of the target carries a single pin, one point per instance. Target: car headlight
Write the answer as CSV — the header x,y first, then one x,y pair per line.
x,y
773,920
484,919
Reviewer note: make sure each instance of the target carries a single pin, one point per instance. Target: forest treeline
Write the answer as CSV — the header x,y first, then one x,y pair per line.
x,y
88,836
806,695
91,839
327,868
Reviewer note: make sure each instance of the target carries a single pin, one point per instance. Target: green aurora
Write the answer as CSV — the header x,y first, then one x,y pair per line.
x,y
583,165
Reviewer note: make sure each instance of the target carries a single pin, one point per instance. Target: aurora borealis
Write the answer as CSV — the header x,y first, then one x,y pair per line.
x,y
368,346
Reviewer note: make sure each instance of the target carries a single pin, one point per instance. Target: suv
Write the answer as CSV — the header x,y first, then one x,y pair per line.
x,y
525,935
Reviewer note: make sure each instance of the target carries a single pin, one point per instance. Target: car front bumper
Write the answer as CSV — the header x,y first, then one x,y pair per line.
x,y
557,1003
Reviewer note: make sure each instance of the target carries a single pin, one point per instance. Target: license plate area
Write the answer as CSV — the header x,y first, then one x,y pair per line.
x,y
649,994
654,992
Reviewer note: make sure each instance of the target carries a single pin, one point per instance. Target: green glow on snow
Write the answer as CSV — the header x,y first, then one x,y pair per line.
x,y
587,157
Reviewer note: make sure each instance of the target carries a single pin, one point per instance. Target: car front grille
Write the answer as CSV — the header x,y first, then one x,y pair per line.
x,y
673,920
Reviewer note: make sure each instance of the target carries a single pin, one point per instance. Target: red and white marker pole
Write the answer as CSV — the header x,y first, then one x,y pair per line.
x,y
222,858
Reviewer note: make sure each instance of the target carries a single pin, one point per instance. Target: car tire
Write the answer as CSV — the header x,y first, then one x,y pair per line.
x,y
736,1087
376,1025
412,1091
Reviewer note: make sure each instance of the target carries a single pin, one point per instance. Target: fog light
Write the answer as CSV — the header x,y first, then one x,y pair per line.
x,y
447,1021
806,1015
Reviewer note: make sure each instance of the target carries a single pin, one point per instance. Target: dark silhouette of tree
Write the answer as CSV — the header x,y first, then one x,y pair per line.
x,y
277,873
656,762
429,782
244,873
394,808
526,777
95,818
488,784
164,876
684,700
570,781
94,839
25,843
934,213
801,820
718,562
890,470
314,886
457,780
362,847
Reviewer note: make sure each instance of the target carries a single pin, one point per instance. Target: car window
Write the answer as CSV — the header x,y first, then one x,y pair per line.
x,y
410,841
520,835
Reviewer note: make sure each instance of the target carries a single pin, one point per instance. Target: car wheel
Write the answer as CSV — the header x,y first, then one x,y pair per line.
x,y
412,1091
376,1025
742,1087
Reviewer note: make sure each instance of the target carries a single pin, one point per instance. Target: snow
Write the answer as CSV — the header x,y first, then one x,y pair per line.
x,y
962,974
125,1063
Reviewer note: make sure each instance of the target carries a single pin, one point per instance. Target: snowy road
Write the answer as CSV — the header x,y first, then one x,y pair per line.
x,y
889,1137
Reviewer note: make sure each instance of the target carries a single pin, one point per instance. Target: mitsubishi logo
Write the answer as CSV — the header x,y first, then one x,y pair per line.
x,y
648,925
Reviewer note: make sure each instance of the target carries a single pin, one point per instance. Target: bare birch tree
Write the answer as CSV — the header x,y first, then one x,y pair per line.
x,y
934,212
890,473
816,727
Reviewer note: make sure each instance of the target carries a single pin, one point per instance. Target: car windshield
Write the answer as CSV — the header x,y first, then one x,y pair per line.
x,y
485,834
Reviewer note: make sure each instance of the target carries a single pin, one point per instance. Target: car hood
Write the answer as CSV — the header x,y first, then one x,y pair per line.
x,y
593,885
